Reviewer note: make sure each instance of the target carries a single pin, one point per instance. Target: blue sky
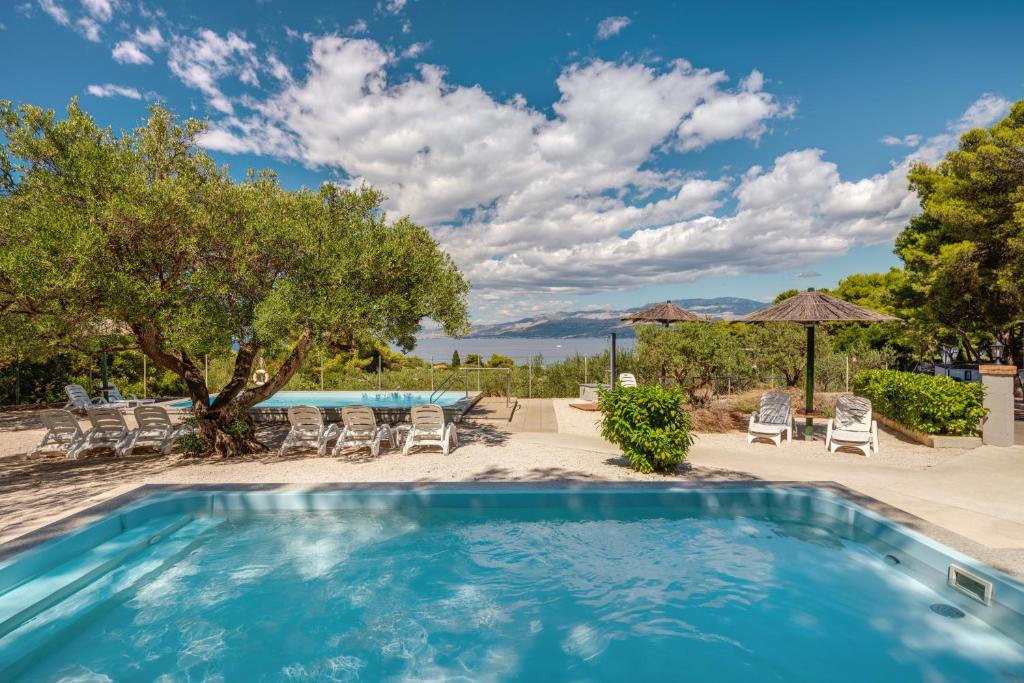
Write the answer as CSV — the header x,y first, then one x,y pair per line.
x,y
568,155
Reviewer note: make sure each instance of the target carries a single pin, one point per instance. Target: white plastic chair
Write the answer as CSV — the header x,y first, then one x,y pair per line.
x,y
361,429
430,429
773,418
109,430
78,399
308,430
627,379
155,430
63,433
852,427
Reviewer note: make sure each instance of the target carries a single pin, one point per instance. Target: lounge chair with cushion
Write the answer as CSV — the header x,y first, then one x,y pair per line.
x,y
852,427
430,429
109,431
773,418
361,429
308,430
627,379
63,433
155,431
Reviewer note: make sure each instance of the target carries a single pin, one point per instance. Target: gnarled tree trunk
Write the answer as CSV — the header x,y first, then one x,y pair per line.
x,y
225,424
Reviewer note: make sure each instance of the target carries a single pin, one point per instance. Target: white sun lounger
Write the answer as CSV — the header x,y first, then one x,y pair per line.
x,y
308,430
430,429
627,379
79,400
155,431
361,429
109,430
773,418
115,397
852,427
63,433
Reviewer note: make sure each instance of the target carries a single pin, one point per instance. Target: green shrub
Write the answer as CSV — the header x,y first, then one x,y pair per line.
x,y
927,403
649,424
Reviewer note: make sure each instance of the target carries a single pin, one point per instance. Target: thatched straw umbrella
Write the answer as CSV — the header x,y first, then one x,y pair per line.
x,y
808,308
666,314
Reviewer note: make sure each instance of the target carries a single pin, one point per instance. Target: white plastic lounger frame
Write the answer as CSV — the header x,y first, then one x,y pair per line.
x,y
429,429
155,431
627,379
308,430
114,396
773,418
361,429
78,399
109,430
63,433
852,427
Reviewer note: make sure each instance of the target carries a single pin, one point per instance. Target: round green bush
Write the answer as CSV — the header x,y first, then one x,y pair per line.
x,y
649,424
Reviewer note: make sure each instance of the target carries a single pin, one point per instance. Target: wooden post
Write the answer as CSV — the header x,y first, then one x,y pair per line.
x,y
809,421
145,378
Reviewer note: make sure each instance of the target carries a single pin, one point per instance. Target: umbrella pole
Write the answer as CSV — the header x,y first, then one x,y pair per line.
x,y
808,420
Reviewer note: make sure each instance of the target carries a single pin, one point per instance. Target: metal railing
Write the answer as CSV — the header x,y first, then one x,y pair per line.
x,y
508,379
448,380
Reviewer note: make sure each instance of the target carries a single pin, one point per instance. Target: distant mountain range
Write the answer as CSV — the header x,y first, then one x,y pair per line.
x,y
597,323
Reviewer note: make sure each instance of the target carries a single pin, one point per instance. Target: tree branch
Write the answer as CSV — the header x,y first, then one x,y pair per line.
x,y
251,397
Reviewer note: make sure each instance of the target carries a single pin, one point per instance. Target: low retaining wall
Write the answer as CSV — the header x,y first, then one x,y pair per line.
x,y
932,440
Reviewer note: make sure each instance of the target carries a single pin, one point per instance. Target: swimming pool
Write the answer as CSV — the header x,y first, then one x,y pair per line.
x,y
726,584
340,399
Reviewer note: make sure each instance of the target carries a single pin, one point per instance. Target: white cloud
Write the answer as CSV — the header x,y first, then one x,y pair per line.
x,y
725,115
89,29
277,68
56,12
415,50
111,90
574,200
201,62
985,111
100,10
911,140
392,6
127,52
611,26
358,28
151,37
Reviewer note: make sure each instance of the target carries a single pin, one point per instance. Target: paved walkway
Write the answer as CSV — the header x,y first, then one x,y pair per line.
x,y
534,415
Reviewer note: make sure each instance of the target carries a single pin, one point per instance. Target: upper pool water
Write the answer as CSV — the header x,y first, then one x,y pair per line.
x,y
525,595
339,399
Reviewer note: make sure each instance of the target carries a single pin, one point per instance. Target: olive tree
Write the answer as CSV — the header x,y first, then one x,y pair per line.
x,y
144,231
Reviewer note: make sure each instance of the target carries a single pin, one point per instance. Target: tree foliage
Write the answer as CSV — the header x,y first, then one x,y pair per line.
x,y
143,233
964,253
692,354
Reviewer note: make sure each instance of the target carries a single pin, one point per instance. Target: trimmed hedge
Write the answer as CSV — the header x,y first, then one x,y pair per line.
x,y
926,403
649,424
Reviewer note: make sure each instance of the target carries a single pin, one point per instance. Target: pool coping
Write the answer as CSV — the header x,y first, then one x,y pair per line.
x,y
1007,560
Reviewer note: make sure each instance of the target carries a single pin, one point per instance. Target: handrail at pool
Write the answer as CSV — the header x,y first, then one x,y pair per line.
x,y
440,389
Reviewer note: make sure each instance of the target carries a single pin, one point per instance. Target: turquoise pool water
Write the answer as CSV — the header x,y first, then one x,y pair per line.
x,y
482,593
339,399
